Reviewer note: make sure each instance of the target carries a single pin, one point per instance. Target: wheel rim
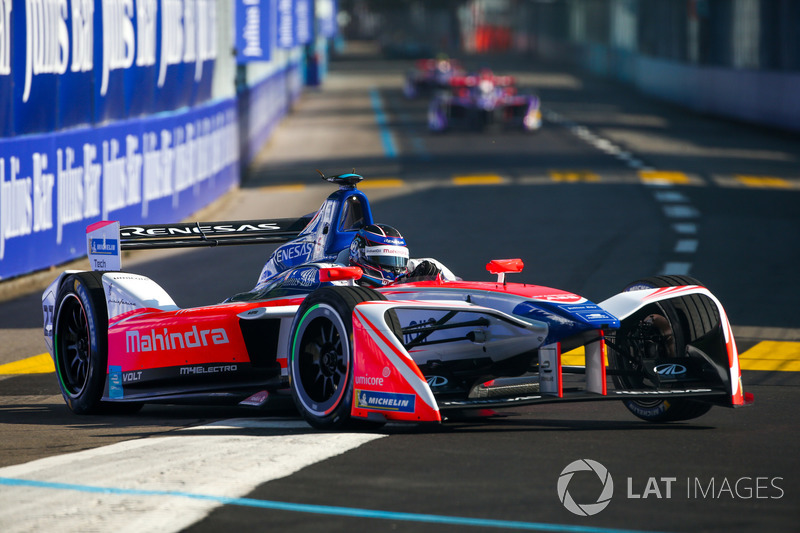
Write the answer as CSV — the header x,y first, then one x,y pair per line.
x,y
73,346
321,361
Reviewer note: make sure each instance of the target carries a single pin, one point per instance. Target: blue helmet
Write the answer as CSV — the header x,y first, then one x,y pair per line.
x,y
381,253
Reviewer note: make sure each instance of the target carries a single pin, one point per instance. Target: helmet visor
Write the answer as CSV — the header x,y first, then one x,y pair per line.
x,y
389,257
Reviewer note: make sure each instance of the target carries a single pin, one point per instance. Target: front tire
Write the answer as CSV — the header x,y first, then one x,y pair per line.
x,y
663,329
321,355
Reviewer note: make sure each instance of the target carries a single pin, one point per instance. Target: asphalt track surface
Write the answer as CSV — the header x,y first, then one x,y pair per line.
x,y
613,188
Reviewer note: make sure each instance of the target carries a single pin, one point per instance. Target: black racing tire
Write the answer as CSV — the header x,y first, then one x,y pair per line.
x,y
81,341
321,356
81,346
686,319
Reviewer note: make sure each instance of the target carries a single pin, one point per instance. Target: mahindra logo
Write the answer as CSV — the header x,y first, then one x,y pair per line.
x,y
149,341
670,369
437,381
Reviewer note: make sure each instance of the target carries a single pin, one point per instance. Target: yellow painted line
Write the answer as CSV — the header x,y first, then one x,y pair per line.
x,y
284,187
381,183
778,356
576,357
772,355
571,176
766,355
38,364
663,176
483,179
763,182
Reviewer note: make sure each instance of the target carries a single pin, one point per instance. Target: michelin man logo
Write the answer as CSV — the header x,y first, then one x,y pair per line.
x,y
586,509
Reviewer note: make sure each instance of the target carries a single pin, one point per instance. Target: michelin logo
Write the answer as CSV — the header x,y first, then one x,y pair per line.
x,y
104,246
385,401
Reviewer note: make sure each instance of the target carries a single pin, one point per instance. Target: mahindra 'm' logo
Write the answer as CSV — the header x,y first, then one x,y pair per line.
x,y
670,369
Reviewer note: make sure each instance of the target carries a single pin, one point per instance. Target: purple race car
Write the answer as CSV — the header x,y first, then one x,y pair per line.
x,y
483,99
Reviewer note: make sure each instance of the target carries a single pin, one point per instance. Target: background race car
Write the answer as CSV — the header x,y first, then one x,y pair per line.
x,y
431,75
481,100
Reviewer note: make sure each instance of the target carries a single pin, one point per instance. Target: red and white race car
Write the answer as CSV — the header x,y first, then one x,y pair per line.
x,y
406,352
483,99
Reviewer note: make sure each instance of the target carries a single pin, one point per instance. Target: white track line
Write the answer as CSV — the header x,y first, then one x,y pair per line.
x,y
221,463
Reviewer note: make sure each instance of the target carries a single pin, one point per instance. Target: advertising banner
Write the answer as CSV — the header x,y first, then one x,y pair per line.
x,y
68,63
6,81
143,170
304,21
253,30
326,18
285,23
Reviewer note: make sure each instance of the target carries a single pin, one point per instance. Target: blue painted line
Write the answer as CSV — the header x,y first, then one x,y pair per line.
x,y
350,512
380,117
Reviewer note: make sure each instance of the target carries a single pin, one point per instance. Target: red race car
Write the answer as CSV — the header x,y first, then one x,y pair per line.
x,y
412,350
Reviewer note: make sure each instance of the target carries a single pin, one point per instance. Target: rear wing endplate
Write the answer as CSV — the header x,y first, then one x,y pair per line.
x,y
106,239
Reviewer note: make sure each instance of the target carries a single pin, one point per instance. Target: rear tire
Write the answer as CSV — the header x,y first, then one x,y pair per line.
x,y
81,341
321,356
669,326
81,346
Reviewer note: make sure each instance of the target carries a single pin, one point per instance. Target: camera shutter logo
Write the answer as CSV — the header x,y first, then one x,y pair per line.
x,y
585,509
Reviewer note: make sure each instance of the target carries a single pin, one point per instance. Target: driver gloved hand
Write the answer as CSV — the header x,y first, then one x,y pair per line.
x,y
423,272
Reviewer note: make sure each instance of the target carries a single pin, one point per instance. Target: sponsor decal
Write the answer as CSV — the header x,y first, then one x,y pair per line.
x,y
287,253
437,381
148,341
130,377
49,314
589,312
207,369
104,246
385,401
369,380
670,369
115,382
176,230
393,251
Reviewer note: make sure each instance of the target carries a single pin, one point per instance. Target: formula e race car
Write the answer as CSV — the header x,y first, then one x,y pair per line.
x,y
481,100
344,354
430,75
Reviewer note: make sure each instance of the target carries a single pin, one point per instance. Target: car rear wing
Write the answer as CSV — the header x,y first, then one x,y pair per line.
x,y
106,239
197,234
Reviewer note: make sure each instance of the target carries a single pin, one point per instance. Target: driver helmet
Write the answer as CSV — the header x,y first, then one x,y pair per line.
x,y
381,253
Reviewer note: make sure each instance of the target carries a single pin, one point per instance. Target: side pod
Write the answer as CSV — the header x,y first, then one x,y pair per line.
x,y
387,383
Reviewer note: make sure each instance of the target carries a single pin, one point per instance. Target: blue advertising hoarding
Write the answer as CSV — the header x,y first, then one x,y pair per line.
x,y
253,30
69,63
75,85
285,24
6,85
304,21
326,11
36,64
157,169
